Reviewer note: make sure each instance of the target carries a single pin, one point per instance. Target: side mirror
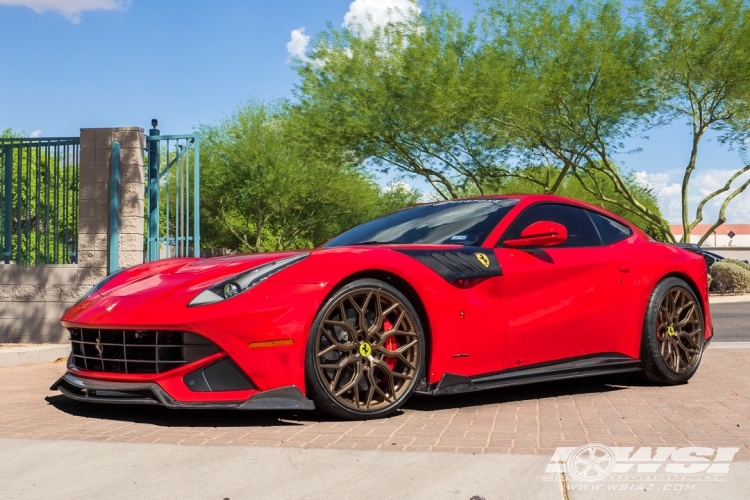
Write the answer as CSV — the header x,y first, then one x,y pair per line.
x,y
540,234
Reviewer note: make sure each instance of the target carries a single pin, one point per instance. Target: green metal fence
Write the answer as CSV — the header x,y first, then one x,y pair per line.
x,y
172,196
39,180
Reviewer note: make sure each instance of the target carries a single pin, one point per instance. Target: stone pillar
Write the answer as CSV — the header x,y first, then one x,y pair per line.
x,y
96,152
133,144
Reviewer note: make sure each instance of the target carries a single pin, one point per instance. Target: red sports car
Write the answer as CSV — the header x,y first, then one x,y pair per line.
x,y
435,299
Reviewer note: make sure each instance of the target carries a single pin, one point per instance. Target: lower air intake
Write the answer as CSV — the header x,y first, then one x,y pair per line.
x,y
137,351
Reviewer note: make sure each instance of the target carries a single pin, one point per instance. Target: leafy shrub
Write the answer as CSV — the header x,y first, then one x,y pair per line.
x,y
728,277
743,265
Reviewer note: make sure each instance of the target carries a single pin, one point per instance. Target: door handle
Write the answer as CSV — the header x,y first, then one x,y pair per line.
x,y
624,268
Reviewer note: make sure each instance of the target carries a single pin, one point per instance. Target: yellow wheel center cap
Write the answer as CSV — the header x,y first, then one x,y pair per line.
x,y
670,331
365,349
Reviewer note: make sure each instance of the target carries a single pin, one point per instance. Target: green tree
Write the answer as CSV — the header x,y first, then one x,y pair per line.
x,y
262,190
703,61
469,106
388,99
579,87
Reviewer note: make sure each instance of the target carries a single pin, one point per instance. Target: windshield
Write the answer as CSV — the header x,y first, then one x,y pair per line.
x,y
465,222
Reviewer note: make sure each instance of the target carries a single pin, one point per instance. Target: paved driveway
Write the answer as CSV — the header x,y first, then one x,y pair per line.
x,y
712,410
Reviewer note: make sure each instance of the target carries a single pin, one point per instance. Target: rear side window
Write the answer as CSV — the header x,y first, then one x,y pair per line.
x,y
610,230
581,231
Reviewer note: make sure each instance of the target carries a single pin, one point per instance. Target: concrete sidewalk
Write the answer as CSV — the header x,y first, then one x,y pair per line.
x,y
75,469
728,299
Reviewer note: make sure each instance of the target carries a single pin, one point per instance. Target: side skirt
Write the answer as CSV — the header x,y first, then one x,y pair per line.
x,y
589,366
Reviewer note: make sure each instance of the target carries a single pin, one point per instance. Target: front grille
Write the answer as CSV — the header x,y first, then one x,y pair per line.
x,y
137,351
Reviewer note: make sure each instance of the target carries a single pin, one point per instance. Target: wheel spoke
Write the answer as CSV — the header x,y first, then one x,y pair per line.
x,y
689,351
370,390
378,323
338,366
335,343
353,382
357,402
393,333
376,388
388,310
388,375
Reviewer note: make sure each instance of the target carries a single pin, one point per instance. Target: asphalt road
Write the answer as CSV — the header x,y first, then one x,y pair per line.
x,y
731,322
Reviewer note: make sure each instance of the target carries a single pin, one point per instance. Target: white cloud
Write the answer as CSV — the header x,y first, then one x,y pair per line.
x,y
397,186
69,8
36,133
368,14
668,191
297,46
363,16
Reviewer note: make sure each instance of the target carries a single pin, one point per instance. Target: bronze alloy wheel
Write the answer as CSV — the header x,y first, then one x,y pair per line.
x,y
679,330
367,349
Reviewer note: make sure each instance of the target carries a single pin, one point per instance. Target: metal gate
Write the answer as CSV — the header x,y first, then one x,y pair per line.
x,y
39,181
172,205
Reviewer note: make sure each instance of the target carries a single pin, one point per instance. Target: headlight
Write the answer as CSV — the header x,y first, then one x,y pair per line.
x,y
242,282
99,285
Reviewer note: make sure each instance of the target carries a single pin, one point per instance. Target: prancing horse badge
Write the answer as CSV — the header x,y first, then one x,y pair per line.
x,y
483,259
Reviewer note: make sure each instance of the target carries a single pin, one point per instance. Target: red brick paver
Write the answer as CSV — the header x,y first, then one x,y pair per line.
x,y
712,410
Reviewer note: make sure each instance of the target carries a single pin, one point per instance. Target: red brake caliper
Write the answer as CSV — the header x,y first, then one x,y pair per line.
x,y
390,344
658,323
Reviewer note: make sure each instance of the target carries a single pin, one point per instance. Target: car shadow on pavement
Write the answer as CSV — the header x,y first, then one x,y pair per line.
x,y
540,390
165,417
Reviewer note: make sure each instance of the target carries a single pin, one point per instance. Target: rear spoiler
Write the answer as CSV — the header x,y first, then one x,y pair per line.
x,y
690,247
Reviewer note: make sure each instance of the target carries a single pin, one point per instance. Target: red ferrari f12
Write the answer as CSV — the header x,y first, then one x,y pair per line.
x,y
435,299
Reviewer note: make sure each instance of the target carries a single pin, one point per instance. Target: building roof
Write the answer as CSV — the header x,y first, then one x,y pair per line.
x,y
700,229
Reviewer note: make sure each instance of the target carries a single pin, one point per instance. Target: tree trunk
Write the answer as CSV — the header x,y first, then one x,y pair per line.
x,y
685,181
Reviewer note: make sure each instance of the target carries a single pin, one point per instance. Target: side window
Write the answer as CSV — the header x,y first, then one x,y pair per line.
x,y
610,230
581,231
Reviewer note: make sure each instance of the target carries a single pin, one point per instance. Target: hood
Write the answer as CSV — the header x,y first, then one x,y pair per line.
x,y
184,275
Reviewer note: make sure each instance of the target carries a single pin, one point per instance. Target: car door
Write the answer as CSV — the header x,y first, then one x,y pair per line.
x,y
562,301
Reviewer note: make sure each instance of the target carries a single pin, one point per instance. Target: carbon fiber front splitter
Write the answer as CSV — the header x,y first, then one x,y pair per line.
x,y
98,391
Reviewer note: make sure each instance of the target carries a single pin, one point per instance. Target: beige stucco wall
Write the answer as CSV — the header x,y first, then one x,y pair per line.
x,y
33,299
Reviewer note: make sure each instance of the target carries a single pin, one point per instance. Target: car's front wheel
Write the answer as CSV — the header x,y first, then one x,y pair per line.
x,y
673,333
366,351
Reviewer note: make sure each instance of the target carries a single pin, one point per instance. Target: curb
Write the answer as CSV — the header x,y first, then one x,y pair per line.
x,y
729,345
32,355
728,299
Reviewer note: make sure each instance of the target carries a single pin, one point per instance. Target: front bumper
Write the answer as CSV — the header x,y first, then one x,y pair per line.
x,y
150,393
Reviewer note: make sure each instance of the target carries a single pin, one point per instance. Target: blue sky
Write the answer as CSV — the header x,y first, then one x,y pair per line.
x,y
69,64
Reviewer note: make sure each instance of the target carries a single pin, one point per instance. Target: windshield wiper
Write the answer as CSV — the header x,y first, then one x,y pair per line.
x,y
370,242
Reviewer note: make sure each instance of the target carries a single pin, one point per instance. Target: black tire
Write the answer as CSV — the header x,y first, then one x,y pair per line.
x,y
331,338
687,341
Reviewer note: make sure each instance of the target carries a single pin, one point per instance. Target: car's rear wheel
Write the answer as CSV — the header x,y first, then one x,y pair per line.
x,y
673,333
366,351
